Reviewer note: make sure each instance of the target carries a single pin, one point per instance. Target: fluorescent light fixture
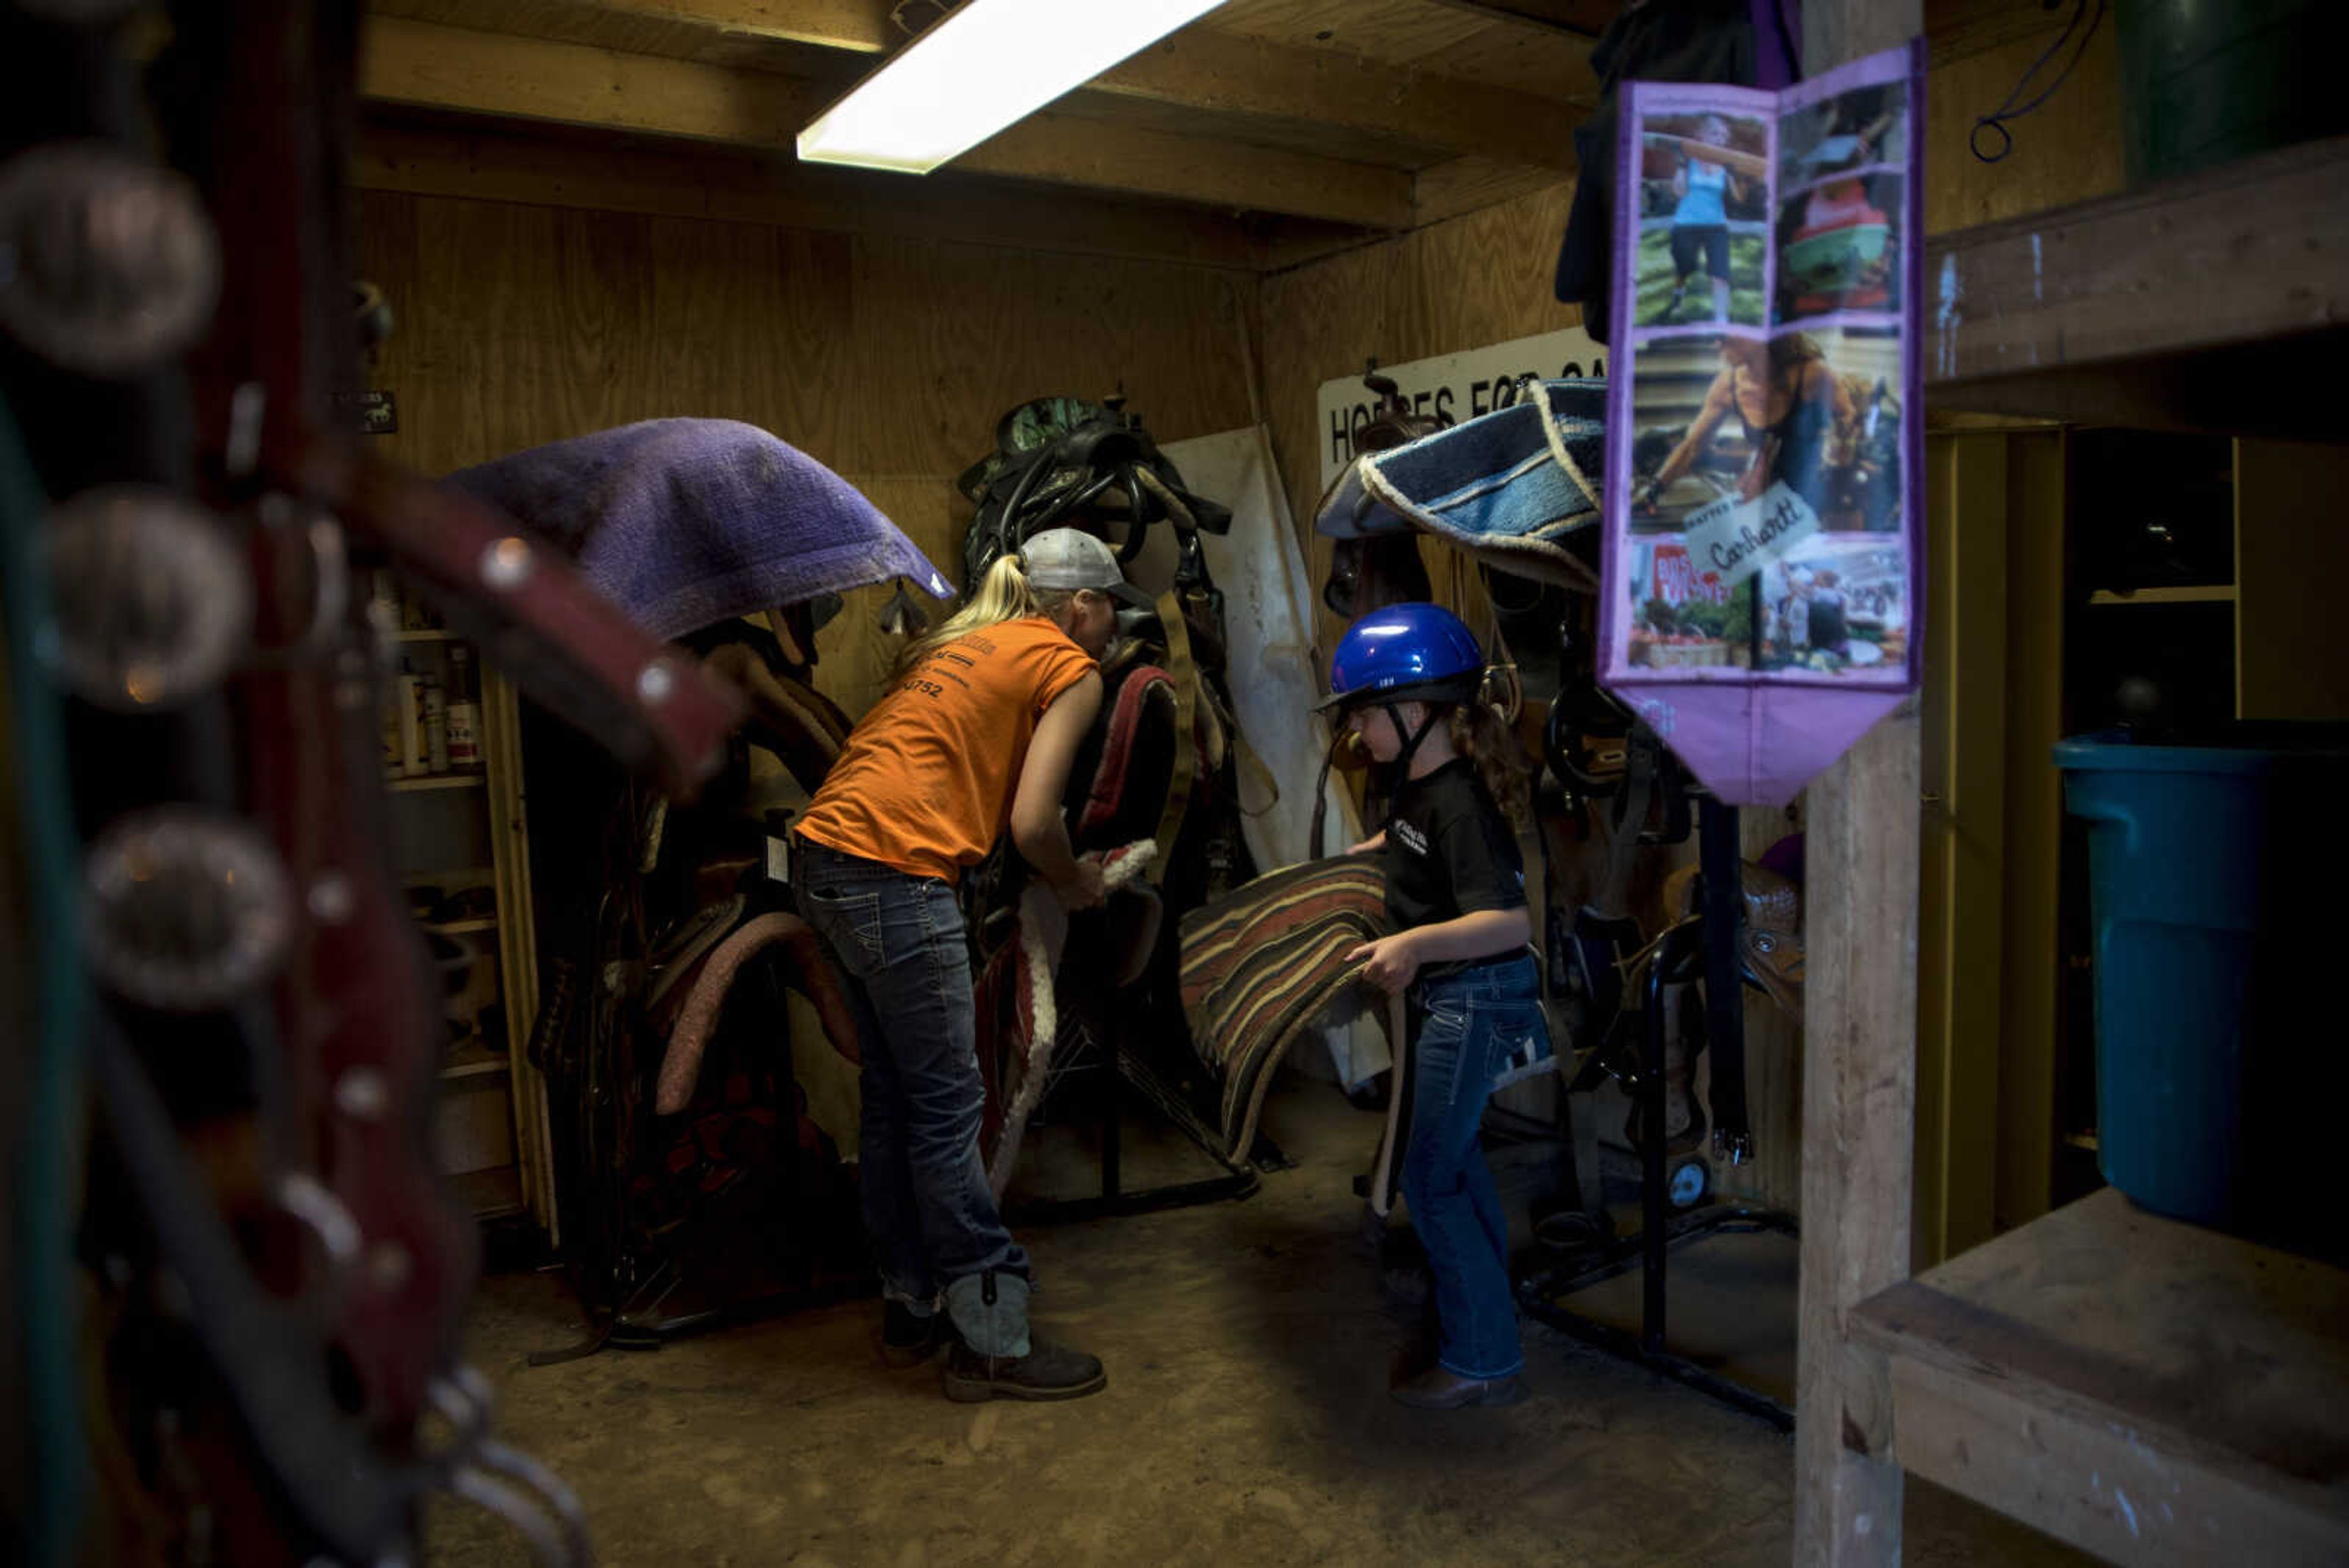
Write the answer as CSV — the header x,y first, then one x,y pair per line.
x,y
989,64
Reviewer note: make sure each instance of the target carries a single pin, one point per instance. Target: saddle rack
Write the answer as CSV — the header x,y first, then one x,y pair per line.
x,y
1700,947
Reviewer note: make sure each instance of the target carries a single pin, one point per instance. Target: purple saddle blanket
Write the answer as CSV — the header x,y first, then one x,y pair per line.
x,y
685,523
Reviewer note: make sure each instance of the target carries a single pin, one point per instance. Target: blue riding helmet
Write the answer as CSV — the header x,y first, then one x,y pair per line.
x,y
1404,653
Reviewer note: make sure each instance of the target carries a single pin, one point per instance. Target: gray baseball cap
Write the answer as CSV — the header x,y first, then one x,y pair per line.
x,y
1071,558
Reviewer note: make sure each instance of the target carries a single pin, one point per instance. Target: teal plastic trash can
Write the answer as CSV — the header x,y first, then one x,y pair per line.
x,y
2216,880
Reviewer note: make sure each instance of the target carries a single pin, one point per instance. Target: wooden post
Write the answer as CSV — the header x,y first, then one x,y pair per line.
x,y
1859,1109
1860,1067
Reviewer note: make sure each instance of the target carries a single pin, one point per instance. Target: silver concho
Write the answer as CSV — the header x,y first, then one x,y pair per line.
x,y
185,908
109,267
154,601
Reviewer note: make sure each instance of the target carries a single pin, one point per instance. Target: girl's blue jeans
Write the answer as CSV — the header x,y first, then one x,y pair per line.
x,y
1469,1025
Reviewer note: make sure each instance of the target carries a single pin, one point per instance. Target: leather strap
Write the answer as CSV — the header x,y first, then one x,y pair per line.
x,y
1314,850
1719,874
1185,672
1532,854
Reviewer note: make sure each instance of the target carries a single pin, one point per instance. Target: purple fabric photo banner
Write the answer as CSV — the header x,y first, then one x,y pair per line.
x,y
1764,568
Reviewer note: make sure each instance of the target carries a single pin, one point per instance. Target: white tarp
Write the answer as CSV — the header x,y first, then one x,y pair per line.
x,y
1269,628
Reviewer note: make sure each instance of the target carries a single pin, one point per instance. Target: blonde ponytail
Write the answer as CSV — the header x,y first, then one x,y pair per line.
x,y
1004,594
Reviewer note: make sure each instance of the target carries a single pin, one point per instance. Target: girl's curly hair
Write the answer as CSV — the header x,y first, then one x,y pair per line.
x,y
1479,732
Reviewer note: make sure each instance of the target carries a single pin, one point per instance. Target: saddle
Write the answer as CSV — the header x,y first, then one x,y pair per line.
x,y
1060,461
685,1142
1769,935
1376,561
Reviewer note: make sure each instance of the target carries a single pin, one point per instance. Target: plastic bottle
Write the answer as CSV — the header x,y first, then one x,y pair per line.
x,y
436,725
410,690
462,722
395,750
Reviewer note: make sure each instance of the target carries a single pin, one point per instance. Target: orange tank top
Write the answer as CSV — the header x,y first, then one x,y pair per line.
x,y
926,781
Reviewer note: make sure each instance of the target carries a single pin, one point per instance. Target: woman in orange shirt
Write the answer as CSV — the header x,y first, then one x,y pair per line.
x,y
978,733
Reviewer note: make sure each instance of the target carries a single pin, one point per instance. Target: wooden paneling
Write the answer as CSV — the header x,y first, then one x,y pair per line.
x,y
1524,59
1473,280
1961,894
2290,551
1200,69
887,359
424,65
1474,45
1392,30
546,166
2033,704
854,656
1208,82
1464,185
835,38
2066,151
1388,142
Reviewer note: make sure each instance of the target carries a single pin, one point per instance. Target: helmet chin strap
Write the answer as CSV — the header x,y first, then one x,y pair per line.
x,y
1399,771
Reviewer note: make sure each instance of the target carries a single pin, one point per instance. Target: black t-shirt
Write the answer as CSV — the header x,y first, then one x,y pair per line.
x,y
1449,851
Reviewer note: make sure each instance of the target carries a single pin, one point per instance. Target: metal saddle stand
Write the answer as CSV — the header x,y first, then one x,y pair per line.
x,y
1102,1027
1131,1077
1702,947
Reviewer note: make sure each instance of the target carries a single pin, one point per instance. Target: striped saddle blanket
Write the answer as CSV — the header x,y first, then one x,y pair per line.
x,y
1269,965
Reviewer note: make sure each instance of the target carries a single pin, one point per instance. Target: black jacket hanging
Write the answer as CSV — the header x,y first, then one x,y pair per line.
x,y
1663,40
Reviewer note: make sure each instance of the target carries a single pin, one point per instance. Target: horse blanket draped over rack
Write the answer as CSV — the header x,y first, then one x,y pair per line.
x,y
686,522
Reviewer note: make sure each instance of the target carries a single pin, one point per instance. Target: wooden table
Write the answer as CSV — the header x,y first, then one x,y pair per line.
x,y
2146,1391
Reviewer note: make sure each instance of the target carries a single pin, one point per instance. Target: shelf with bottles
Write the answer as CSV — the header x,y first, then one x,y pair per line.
x,y
431,720
460,835
432,707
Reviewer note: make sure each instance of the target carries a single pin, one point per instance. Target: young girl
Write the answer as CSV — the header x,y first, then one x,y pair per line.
x,y
1406,679
978,733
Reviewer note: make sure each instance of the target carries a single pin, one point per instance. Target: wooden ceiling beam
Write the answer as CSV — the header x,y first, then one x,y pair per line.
x,y
422,155
1202,69
857,26
1578,18
427,66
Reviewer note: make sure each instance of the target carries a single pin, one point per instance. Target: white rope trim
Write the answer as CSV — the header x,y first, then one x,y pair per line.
x,y
1035,953
1558,448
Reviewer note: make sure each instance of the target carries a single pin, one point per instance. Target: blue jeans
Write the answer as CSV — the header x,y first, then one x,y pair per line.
x,y
1469,1023
898,941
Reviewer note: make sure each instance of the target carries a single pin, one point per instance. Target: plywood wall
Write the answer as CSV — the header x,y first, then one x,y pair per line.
x,y
887,359
2066,151
1461,283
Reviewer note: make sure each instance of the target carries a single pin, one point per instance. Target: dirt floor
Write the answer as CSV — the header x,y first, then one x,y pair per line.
x,y
1249,1346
